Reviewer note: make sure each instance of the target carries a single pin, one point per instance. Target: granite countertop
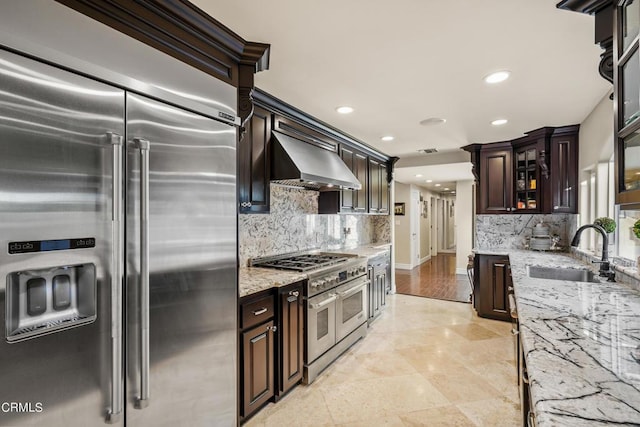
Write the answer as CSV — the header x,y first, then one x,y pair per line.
x,y
370,250
255,279
581,343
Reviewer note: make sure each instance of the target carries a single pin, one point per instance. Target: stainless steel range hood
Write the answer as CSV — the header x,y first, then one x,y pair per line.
x,y
295,162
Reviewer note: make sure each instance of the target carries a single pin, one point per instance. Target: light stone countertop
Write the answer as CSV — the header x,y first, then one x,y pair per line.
x,y
255,279
252,280
370,250
581,343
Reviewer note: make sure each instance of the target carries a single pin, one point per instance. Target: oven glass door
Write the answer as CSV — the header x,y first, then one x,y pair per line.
x,y
321,319
351,307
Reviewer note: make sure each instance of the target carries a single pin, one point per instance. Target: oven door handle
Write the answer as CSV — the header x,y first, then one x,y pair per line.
x,y
353,289
323,303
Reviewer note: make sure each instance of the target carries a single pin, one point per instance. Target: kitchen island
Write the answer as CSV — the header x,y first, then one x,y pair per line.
x,y
581,344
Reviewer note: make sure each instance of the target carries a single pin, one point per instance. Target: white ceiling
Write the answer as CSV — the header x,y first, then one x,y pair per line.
x,y
397,63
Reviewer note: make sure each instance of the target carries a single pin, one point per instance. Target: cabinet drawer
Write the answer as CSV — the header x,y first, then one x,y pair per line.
x,y
256,311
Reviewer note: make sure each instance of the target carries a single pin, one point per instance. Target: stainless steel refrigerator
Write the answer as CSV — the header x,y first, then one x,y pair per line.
x,y
119,254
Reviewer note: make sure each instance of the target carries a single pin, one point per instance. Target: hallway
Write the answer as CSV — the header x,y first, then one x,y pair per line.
x,y
435,278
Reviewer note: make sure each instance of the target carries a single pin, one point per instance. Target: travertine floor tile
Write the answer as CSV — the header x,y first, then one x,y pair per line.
x,y
382,397
461,385
492,412
424,362
443,416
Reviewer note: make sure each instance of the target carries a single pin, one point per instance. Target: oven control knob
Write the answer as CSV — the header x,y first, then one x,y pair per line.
x,y
314,284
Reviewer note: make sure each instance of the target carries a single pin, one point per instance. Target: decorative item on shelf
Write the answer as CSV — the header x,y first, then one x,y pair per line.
x,y
521,204
532,184
555,239
521,182
608,224
531,204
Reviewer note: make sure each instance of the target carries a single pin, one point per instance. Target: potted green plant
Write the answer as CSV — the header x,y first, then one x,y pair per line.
x,y
607,223
636,229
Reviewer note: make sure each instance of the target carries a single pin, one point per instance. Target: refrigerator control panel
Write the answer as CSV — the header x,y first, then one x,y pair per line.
x,y
50,245
42,301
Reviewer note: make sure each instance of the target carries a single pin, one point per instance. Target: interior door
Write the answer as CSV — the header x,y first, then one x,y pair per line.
x,y
181,363
56,169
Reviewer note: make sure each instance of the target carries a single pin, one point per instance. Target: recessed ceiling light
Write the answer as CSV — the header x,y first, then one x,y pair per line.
x,y
433,121
497,77
344,110
446,189
418,175
437,185
499,122
387,138
429,180
637,173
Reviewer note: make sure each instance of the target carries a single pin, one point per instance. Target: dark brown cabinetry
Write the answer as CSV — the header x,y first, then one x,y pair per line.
x,y
537,173
257,352
254,164
494,195
379,282
355,200
290,337
492,283
627,95
378,187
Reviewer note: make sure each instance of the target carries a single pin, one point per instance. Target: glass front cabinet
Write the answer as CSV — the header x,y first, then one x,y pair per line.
x,y
627,98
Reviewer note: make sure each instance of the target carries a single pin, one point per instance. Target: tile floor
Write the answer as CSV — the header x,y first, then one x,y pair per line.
x,y
436,278
425,362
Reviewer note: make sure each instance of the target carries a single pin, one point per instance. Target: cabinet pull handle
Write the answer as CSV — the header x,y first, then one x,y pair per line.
x,y
245,204
514,332
260,311
292,298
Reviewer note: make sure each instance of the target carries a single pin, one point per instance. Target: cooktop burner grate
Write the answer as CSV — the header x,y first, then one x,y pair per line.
x,y
304,262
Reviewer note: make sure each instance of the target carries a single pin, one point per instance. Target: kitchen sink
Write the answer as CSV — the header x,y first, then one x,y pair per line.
x,y
559,273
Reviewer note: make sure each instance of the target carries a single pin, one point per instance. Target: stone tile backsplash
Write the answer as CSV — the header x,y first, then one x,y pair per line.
x,y
513,231
294,225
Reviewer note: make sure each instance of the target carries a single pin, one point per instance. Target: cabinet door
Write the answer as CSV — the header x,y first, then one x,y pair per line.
x,y
254,165
258,372
292,339
528,186
491,298
564,171
374,186
495,182
347,199
384,190
360,171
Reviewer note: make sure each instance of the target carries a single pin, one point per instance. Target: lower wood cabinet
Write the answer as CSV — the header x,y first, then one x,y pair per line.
x,y
290,337
257,351
271,339
492,283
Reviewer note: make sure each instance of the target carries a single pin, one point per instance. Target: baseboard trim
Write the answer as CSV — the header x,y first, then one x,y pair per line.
x,y
403,266
425,259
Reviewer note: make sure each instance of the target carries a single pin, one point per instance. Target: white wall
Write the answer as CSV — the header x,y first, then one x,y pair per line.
x,y
464,224
402,226
596,135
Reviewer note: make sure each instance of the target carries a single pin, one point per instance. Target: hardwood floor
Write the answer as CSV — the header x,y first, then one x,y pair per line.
x,y
435,278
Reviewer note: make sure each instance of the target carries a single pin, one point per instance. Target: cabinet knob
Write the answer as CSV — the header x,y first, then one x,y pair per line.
x,y
556,207
272,328
245,204
294,293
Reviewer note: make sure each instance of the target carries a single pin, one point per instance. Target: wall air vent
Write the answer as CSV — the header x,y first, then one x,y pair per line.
x,y
428,150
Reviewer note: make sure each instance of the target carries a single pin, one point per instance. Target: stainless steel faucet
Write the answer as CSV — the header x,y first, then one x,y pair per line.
x,y
605,265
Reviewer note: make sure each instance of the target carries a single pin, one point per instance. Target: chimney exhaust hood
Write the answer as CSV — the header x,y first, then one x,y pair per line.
x,y
300,164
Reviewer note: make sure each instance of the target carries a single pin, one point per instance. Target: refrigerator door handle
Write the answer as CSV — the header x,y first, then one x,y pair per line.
x,y
143,145
117,262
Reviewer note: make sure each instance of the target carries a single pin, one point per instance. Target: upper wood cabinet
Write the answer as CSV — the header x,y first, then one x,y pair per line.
x,y
537,173
254,164
627,97
378,187
495,192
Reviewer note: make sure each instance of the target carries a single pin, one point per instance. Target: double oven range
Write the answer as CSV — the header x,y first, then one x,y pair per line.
x,y
336,303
